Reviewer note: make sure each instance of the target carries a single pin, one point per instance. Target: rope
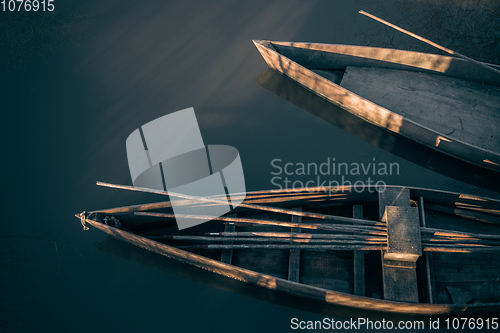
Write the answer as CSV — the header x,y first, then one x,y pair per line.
x,y
83,219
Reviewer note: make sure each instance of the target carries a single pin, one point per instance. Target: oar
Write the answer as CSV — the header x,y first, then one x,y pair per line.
x,y
283,247
371,230
251,206
460,245
295,235
269,240
482,64
435,240
452,233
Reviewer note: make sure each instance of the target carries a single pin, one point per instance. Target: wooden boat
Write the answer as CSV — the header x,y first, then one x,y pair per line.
x,y
445,103
399,253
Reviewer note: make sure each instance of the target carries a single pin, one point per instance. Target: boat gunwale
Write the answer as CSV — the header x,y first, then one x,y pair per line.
x,y
324,48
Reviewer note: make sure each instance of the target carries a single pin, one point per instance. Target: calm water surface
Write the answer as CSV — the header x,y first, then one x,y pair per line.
x,y
72,92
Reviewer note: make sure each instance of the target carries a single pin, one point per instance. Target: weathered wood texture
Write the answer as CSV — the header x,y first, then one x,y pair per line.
x,y
332,75
329,270
335,56
399,277
400,283
460,109
403,233
477,273
268,261
294,257
429,282
393,196
358,259
227,254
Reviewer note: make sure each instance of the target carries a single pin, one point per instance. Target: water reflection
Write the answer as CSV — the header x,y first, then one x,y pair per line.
x,y
404,148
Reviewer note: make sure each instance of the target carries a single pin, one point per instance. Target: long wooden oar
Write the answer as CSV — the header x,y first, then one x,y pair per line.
x,y
464,245
453,233
361,229
283,247
324,247
251,206
435,240
295,235
269,240
482,64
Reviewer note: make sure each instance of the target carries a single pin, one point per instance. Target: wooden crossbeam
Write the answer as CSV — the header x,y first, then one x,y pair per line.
x,y
294,257
399,277
427,256
227,254
358,259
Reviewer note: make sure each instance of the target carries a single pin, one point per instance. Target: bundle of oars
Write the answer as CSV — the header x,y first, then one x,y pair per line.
x,y
283,240
437,240
357,235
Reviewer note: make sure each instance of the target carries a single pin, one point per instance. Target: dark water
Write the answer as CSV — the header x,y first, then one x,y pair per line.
x,y
73,89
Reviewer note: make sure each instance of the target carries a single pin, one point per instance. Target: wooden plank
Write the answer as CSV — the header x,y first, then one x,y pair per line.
x,y
459,295
334,76
466,273
460,109
400,283
227,254
403,233
393,196
482,292
399,278
358,259
465,259
330,270
294,256
427,256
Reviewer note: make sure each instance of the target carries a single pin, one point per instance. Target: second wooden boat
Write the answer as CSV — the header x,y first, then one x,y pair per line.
x,y
445,103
